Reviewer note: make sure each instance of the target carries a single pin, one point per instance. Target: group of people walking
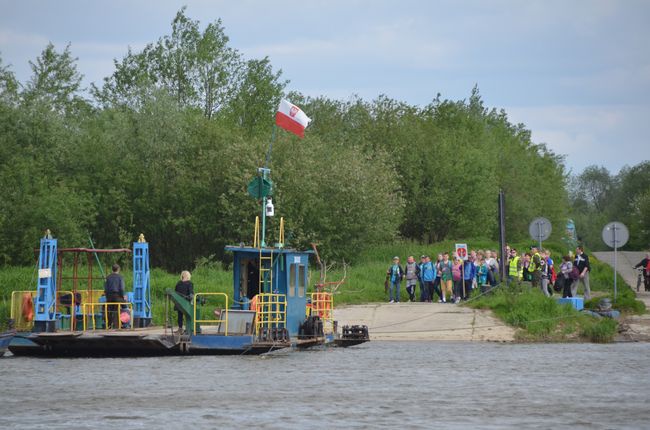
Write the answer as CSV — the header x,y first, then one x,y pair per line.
x,y
450,279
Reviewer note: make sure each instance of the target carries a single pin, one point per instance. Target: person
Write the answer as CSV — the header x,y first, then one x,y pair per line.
x,y
535,267
457,276
525,267
446,277
412,272
565,276
551,268
395,274
645,264
423,259
436,283
114,293
545,277
493,267
514,267
481,273
469,274
582,263
184,288
428,275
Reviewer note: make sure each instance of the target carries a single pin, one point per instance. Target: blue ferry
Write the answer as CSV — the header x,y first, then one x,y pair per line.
x,y
269,307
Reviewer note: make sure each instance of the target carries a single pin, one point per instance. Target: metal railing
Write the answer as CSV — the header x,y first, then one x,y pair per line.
x,y
220,316
322,305
104,306
270,311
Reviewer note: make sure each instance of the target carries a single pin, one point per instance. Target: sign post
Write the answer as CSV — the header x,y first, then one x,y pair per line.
x,y
615,235
540,230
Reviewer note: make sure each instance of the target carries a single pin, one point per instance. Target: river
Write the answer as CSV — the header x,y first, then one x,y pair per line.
x,y
379,384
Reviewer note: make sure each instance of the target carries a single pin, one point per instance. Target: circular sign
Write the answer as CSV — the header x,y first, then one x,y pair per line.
x,y
615,234
540,229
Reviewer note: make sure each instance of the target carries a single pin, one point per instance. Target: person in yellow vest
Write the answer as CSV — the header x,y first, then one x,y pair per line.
x,y
535,267
514,267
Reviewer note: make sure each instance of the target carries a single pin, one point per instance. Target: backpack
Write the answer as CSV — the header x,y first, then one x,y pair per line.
x,y
553,274
574,274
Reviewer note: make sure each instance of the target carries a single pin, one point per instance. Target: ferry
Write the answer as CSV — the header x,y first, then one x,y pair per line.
x,y
269,307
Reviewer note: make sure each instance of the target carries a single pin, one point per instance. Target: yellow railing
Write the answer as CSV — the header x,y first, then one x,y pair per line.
x,y
221,312
256,234
89,310
16,311
322,305
271,311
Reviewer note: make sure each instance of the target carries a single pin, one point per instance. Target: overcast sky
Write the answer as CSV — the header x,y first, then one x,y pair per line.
x,y
576,73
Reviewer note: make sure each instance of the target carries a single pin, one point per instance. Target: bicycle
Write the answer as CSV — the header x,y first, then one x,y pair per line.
x,y
642,278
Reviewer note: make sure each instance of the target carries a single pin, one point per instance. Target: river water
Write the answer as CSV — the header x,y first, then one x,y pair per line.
x,y
378,384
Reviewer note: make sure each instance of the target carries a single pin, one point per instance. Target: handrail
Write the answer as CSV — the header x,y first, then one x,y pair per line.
x,y
270,311
105,305
256,234
322,305
213,321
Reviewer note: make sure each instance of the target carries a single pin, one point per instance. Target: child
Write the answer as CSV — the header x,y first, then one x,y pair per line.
x,y
457,276
394,275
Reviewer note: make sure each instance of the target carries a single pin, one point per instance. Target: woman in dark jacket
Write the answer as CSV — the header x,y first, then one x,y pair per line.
x,y
184,288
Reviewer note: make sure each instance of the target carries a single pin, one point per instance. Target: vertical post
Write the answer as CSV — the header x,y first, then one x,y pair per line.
x,y
539,235
615,247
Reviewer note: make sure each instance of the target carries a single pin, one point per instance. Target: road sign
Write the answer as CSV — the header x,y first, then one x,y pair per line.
x,y
615,234
461,250
540,229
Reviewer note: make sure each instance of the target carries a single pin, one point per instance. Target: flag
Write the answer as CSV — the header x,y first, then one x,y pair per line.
x,y
291,118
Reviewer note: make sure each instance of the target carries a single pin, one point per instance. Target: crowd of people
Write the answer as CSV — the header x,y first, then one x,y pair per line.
x,y
450,279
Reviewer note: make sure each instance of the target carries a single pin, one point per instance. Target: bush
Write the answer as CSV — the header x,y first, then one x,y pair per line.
x,y
599,330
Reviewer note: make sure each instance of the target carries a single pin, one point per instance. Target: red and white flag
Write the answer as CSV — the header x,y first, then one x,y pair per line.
x,y
291,118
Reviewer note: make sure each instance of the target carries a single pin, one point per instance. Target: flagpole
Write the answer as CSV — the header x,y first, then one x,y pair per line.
x,y
266,171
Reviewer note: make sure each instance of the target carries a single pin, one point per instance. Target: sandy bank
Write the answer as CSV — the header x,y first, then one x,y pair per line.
x,y
425,321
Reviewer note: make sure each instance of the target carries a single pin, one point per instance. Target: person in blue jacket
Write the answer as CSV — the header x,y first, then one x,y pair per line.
x,y
428,276
468,276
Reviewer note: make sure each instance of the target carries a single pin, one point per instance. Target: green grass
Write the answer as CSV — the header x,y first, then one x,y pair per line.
x,y
541,318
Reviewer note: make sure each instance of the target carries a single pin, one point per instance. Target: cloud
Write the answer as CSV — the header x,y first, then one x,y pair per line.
x,y
609,135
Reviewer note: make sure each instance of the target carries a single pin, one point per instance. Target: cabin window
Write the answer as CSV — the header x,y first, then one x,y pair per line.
x,y
292,280
301,280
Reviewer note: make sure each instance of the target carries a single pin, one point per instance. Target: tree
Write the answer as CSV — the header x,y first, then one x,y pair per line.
x,y
55,80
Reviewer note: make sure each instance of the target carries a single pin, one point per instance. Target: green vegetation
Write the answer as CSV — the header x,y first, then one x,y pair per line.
x,y
598,197
167,143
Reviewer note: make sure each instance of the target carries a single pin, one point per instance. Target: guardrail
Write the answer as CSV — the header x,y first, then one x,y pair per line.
x,y
322,305
105,306
271,311
220,316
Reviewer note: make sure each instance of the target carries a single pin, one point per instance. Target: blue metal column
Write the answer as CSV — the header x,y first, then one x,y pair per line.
x,y
141,283
45,300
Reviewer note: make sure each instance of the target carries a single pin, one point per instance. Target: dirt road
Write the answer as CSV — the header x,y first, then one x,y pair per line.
x,y
425,321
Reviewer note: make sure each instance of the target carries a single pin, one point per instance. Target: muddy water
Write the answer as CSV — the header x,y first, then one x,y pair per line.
x,y
379,384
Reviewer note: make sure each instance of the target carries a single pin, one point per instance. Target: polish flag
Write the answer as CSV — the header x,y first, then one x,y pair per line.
x,y
291,118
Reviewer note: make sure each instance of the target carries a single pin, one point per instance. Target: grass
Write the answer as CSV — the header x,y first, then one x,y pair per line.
x,y
365,283
541,318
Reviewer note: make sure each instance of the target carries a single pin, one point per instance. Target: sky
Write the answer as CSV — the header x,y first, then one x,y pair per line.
x,y
576,73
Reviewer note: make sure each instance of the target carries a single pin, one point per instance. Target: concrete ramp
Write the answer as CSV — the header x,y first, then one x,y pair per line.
x,y
425,321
